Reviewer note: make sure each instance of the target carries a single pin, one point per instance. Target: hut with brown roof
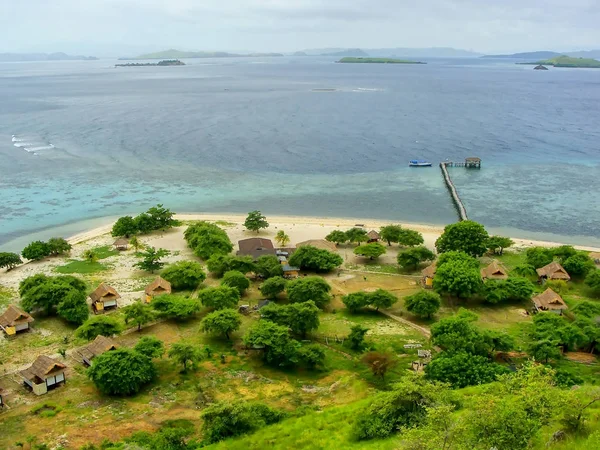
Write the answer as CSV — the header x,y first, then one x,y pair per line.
x,y
14,320
104,297
121,244
427,275
45,373
321,244
255,247
549,301
160,286
553,271
373,236
595,256
494,271
100,345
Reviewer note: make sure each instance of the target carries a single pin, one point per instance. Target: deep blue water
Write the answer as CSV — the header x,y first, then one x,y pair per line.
x,y
238,134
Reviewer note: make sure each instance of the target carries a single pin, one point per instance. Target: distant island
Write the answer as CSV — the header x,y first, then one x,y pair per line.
x,y
540,67
166,62
543,55
178,54
397,52
352,60
23,57
568,61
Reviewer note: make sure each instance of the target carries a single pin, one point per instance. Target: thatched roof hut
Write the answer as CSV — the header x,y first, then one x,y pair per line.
x,y
255,247
100,345
427,275
373,236
595,256
158,287
121,244
549,301
494,271
104,297
14,320
321,244
553,271
44,373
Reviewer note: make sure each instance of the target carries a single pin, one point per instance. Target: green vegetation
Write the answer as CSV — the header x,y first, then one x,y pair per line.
x,y
378,299
139,314
308,257
224,321
236,280
185,353
466,236
184,275
9,260
151,259
282,238
423,303
306,289
81,267
99,325
207,240
568,61
156,218
300,318
272,287
372,251
39,249
218,264
353,60
121,372
221,297
175,306
256,221
413,257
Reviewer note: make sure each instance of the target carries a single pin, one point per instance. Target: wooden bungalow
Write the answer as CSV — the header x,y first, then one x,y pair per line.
x,y
104,297
45,373
256,247
553,271
321,244
160,286
100,345
14,320
121,244
290,271
494,271
373,236
427,275
549,301
595,256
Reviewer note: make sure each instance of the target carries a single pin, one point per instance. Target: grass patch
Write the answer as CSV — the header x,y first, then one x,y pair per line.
x,y
224,223
46,409
105,251
81,267
6,295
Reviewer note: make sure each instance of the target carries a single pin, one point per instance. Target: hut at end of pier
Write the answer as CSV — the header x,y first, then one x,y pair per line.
x,y
473,163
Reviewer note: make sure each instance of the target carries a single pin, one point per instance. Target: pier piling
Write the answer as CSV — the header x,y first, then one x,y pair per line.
x,y
462,212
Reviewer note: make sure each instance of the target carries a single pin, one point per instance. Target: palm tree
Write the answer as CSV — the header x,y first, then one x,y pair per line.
x,y
282,239
135,243
90,256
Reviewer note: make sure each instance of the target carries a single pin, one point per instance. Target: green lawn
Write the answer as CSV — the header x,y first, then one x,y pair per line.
x,y
81,267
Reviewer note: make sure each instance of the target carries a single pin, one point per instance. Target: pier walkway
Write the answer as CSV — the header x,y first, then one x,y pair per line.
x,y
462,211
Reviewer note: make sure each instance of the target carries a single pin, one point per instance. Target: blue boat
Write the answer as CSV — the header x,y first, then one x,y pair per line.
x,y
419,163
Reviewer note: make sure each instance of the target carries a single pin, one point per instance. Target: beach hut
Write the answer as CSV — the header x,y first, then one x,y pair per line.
x,y
595,256
159,286
373,236
549,301
14,320
321,244
45,373
100,345
256,247
494,271
473,163
427,275
290,271
104,297
553,271
121,244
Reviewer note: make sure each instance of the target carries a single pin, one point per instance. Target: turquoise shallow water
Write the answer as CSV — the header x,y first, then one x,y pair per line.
x,y
92,141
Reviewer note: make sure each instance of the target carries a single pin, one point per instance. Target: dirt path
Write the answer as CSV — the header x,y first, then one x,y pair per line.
x,y
420,329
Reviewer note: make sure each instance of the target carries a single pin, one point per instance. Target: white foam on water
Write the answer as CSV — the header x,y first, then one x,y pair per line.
x,y
41,147
23,144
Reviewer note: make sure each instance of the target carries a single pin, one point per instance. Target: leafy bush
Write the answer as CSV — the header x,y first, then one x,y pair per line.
x,y
311,258
175,306
121,372
184,275
309,288
236,280
466,236
206,240
272,287
219,263
423,303
223,321
99,325
219,297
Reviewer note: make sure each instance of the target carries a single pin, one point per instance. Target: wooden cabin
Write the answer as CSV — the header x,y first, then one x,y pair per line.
x,y
104,298
427,275
100,345
160,286
256,247
14,320
373,236
494,271
553,271
290,271
549,301
44,374
121,244
321,244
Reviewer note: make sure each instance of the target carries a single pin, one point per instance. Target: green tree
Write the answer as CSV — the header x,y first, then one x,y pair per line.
x,y
357,235
90,256
218,264
236,280
382,299
59,246
268,266
337,237
458,279
356,338
124,226
99,325
121,372
586,309
308,257
513,289
298,317
256,221
36,250
135,243
544,349
539,256
457,333
309,288
466,236
151,259
221,297
150,346
423,303
311,355
73,307
282,238
525,270
184,275
175,307
144,223
410,238
578,265
184,354
272,287
223,321
356,301
279,349
463,369
162,217
139,314
498,341
564,252
390,233
413,257
48,293
207,239
593,281
497,244
9,260
457,256
372,251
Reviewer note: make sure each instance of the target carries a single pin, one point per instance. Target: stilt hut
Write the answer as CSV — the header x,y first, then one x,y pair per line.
x,y
121,244
160,286
100,345
427,275
104,298
14,320
494,271
473,163
44,374
549,301
553,271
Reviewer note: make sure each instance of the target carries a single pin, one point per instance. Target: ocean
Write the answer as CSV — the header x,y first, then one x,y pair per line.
x,y
83,141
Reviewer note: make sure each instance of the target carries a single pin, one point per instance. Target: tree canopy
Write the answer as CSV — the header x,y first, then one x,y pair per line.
x,y
256,221
268,266
413,257
355,301
121,372
221,297
139,314
224,321
36,250
409,238
298,317
356,338
236,280
185,354
272,287
497,244
357,235
99,325
150,346
539,256
218,264
175,306
513,289
337,237
59,246
184,275
151,259
156,218
311,258
390,233
457,278
309,288
462,369
372,251
578,265
466,236
9,260
124,226
282,238
423,303
207,239
279,349
593,281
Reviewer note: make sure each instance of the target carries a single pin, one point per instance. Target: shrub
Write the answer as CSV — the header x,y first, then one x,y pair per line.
x,y
466,236
236,280
312,258
272,287
206,240
309,288
36,250
99,325
175,306
220,297
184,275
121,372
411,258
423,303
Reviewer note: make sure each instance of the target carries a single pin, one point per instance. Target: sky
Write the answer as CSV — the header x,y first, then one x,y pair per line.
x,y
128,27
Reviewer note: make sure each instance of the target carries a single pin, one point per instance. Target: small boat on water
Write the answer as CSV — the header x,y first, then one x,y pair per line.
x,y
419,163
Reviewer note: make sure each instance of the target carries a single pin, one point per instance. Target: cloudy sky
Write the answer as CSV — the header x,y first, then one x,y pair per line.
x,y
117,27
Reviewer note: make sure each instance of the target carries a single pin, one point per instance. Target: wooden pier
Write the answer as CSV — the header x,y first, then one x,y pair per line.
x,y
469,163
